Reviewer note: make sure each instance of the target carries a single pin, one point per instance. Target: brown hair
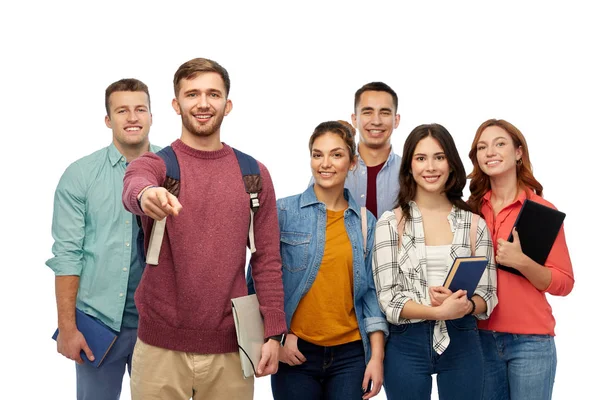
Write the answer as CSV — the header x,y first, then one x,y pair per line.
x,y
480,182
196,66
457,179
338,128
376,87
349,126
125,85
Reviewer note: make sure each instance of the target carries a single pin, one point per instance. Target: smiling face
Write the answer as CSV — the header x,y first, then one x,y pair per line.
x,y
375,119
129,118
330,162
496,152
202,103
429,166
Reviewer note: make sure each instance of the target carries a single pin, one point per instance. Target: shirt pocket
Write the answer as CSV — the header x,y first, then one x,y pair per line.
x,y
294,250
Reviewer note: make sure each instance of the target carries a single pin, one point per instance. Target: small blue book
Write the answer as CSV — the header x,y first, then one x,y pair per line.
x,y
98,336
465,274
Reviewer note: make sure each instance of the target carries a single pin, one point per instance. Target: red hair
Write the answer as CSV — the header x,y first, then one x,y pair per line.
x,y
480,182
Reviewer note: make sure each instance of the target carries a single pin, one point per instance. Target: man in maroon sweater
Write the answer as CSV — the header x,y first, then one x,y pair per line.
x,y
187,342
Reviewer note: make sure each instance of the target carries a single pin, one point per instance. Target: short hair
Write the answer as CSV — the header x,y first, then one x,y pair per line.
x,y
337,128
376,87
457,179
125,85
192,68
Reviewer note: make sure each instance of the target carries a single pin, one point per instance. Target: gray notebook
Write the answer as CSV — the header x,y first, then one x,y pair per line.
x,y
250,332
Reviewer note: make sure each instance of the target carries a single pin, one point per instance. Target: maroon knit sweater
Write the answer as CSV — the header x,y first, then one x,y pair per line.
x,y
184,302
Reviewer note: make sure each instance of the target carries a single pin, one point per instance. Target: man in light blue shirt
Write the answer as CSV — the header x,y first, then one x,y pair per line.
x,y
98,259
374,183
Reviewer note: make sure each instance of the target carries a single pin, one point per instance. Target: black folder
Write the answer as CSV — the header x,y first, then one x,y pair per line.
x,y
538,226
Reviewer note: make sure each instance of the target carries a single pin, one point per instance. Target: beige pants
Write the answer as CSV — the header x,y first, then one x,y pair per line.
x,y
161,374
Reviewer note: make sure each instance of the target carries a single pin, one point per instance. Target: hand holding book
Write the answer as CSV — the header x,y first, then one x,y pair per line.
x,y
72,344
510,253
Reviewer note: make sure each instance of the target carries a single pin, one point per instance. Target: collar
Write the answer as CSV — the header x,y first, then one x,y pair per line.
x,y
524,194
309,198
114,156
390,156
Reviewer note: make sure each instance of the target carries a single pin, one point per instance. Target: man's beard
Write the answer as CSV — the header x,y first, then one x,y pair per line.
x,y
194,127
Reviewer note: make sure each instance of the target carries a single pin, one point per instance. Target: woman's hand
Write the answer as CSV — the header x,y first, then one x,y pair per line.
x,y
290,353
373,373
457,305
438,294
510,253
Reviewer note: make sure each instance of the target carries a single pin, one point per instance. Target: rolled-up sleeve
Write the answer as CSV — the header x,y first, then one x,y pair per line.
x,y
374,319
68,223
488,284
387,274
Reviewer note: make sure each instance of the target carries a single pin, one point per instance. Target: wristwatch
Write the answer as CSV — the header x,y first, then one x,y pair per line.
x,y
279,338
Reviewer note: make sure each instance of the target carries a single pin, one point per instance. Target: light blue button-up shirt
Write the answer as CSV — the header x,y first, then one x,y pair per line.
x,y
93,233
387,183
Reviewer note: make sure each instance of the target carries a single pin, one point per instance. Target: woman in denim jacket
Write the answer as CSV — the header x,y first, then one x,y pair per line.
x,y
334,320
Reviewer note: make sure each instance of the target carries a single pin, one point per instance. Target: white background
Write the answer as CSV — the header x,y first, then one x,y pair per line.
x,y
292,66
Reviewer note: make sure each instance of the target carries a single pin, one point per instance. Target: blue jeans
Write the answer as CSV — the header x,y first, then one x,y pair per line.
x,y
329,373
104,382
518,367
410,360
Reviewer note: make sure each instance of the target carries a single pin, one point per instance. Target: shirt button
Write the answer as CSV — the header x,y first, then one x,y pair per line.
x,y
127,244
124,269
363,172
362,195
127,222
120,294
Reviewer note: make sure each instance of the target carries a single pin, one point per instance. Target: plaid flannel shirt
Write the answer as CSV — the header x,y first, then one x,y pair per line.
x,y
400,272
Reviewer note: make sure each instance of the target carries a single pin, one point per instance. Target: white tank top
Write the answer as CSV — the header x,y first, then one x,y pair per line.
x,y
436,264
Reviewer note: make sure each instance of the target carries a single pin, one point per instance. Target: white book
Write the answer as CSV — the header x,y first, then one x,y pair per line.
x,y
250,332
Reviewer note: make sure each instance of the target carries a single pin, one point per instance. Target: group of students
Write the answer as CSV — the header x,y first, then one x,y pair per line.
x,y
352,300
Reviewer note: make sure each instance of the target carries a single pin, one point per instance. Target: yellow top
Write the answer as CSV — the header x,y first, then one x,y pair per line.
x,y
325,315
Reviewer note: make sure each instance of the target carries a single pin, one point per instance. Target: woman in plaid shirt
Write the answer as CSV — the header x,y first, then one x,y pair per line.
x,y
433,331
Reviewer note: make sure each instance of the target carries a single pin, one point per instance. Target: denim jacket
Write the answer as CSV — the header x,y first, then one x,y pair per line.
x,y
302,223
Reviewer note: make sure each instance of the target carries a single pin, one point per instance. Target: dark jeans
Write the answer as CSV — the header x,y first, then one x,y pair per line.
x,y
329,373
410,360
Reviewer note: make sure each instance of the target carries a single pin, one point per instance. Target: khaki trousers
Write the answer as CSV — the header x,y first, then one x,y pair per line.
x,y
161,374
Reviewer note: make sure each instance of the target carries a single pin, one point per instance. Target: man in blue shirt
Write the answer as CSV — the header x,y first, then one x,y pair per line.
x,y
374,183
96,262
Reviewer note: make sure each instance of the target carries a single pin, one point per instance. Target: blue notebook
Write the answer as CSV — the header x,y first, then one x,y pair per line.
x,y
465,274
98,336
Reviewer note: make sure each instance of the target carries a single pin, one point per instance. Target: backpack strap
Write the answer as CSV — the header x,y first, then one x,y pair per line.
x,y
363,223
473,232
253,185
401,221
173,184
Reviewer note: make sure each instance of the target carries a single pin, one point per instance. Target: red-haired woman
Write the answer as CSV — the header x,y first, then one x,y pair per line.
x,y
518,338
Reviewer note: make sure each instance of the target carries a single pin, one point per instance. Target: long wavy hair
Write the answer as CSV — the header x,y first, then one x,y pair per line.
x,y
457,179
480,182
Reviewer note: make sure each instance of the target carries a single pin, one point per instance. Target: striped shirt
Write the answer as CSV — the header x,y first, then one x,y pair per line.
x,y
400,272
